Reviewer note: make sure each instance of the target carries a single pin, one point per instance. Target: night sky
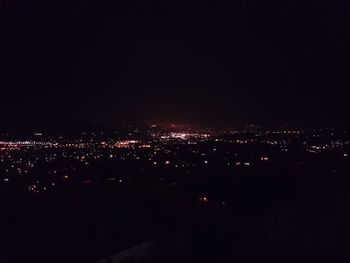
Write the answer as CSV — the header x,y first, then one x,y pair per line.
x,y
67,63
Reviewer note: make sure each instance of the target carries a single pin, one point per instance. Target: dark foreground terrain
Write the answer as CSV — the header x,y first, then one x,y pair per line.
x,y
214,219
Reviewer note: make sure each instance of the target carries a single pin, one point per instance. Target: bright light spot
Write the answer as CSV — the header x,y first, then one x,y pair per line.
x,y
126,143
203,199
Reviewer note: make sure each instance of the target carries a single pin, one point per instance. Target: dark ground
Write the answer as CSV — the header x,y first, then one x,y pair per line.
x,y
263,219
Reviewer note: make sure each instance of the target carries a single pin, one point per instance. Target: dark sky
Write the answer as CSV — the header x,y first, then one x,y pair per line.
x,y
81,62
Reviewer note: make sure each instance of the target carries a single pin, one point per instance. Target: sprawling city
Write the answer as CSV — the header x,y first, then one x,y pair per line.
x,y
163,193
174,131
42,162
